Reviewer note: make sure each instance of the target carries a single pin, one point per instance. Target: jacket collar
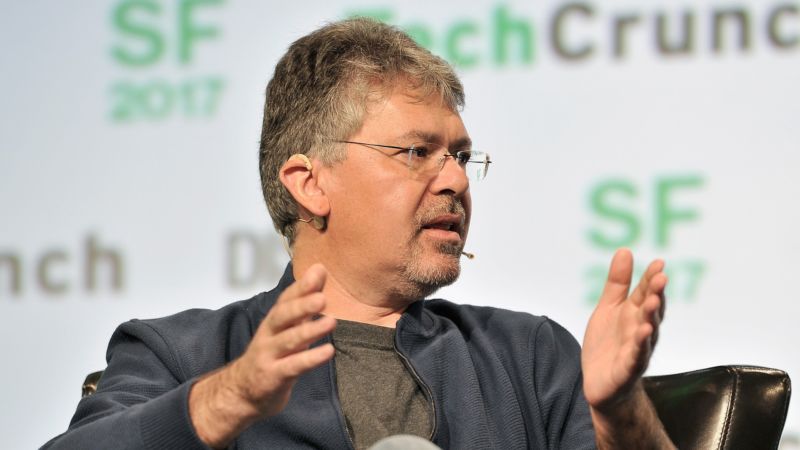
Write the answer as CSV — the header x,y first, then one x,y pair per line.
x,y
415,319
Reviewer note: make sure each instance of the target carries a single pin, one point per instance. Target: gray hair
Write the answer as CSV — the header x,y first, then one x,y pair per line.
x,y
319,94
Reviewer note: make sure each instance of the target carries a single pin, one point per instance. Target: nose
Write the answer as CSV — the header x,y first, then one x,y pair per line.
x,y
451,177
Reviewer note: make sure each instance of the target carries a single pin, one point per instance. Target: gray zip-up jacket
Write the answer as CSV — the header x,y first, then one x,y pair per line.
x,y
498,379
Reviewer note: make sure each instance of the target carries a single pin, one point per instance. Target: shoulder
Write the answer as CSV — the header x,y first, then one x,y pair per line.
x,y
496,320
506,330
192,341
198,322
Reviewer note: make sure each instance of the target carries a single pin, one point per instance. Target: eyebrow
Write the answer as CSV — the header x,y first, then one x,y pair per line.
x,y
464,143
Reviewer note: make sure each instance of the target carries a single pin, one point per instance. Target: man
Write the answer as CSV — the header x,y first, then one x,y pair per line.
x,y
364,162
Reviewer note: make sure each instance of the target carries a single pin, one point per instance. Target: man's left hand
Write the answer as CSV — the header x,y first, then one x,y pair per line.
x,y
622,333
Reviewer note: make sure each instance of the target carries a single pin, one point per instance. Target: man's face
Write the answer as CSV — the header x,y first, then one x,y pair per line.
x,y
399,226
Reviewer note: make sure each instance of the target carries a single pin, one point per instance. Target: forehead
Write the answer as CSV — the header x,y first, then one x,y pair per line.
x,y
406,115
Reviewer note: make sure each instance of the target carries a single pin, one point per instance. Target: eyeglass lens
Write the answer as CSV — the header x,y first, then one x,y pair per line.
x,y
476,165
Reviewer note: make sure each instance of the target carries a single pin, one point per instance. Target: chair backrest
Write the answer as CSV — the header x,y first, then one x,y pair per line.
x,y
722,408
90,383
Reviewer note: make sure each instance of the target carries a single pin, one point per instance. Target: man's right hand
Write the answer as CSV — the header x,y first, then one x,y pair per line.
x,y
258,383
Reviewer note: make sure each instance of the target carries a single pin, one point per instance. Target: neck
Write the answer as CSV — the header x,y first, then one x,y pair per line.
x,y
349,295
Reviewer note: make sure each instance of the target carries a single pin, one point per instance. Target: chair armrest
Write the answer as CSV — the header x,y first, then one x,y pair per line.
x,y
724,407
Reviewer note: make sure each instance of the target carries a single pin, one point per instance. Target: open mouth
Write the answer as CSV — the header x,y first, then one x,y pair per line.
x,y
441,226
449,225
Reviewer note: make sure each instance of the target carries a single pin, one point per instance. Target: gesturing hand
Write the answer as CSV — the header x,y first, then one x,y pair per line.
x,y
259,382
279,351
622,331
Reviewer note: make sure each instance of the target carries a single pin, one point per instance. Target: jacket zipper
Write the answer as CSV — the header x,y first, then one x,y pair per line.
x,y
425,387
335,388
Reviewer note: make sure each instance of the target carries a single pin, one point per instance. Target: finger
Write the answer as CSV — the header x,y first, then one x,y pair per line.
x,y
288,314
300,337
660,287
651,294
282,315
640,292
637,355
312,280
656,285
648,313
296,364
618,282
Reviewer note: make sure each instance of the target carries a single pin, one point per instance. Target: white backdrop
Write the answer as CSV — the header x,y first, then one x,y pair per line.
x,y
129,184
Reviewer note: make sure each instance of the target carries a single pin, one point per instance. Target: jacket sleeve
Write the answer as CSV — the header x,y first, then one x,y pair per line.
x,y
558,381
141,401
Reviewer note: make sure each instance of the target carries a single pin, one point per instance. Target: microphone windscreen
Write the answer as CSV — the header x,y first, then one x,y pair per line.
x,y
404,442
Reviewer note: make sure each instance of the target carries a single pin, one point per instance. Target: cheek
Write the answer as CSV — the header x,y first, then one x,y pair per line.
x,y
378,205
392,190
395,207
467,203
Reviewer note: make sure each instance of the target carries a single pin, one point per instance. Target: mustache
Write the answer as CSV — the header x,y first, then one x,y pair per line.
x,y
448,205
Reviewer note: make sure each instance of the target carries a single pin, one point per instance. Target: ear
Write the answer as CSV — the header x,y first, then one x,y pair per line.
x,y
299,175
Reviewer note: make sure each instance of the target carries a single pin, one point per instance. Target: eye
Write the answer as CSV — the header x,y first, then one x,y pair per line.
x,y
420,150
463,157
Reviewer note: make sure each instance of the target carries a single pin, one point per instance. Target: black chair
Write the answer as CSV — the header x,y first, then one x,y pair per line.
x,y
720,408
90,383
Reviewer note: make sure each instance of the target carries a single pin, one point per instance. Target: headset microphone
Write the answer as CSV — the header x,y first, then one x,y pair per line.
x,y
468,255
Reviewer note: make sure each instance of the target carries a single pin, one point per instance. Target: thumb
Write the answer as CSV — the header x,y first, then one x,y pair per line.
x,y
618,283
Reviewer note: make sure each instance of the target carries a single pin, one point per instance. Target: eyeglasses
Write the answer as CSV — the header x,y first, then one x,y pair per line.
x,y
428,159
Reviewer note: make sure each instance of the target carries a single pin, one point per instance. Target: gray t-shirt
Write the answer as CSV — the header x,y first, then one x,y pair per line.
x,y
380,396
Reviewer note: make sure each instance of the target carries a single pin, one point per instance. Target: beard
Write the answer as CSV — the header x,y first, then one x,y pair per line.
x,y
426,273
